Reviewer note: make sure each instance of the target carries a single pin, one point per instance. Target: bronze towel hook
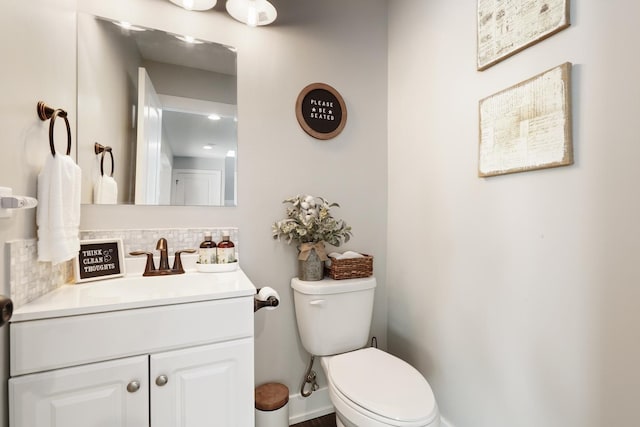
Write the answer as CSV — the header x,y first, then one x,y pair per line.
x,y
99,148
45,112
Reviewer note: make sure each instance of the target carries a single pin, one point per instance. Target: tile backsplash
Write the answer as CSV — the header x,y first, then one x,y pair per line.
x,y
146,239
29,279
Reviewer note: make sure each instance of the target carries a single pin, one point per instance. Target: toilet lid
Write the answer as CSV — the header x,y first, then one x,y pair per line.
x,y
383,384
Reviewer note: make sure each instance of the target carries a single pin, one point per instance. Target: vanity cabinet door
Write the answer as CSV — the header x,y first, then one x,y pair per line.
x,y
114,394
210,385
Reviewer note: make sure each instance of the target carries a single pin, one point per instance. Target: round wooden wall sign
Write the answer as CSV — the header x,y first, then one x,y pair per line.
x,y
321,111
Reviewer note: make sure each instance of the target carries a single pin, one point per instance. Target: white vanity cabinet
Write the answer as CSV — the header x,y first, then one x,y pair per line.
x,y
90,395
203,386
183,364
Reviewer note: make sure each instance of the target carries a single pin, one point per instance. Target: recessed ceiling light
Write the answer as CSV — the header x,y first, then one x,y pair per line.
x,y
128,26
214,117
188,39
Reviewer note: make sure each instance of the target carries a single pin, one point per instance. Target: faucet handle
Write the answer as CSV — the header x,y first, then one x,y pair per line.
x,y
150,265
177,261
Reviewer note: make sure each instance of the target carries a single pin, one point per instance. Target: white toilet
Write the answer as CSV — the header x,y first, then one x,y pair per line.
x,y
368,387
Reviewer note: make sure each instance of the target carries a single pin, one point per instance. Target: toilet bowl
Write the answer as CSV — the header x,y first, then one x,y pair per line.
x,y
371,388
368,387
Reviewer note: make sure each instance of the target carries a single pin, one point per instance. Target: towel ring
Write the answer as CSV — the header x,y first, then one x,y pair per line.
x,y
99,148
62,114
106,150
45,112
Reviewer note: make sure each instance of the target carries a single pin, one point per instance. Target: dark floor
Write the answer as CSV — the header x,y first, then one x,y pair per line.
x,y
326,421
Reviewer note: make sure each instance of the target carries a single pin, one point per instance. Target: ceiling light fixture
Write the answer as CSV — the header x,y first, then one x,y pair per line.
x,y
252,12
195,4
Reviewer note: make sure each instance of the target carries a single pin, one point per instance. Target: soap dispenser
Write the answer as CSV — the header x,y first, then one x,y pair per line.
x,y
226,251
207,251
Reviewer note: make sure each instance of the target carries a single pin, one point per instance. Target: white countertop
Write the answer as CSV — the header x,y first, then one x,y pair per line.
x,y
135,291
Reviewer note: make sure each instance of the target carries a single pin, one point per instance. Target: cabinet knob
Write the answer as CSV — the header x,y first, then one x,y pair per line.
x,y
162,380
133,386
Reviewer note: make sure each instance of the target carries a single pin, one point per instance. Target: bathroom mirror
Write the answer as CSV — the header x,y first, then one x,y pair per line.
x,y
166,106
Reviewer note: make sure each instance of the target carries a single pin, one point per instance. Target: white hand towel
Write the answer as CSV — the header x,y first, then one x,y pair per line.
x,y
58,213
105,191
346,255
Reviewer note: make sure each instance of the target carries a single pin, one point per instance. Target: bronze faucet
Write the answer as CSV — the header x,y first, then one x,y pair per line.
x,y
164,256
163,269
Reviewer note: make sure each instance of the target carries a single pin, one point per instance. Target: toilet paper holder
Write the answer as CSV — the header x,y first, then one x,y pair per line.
x,y
6,309
271,301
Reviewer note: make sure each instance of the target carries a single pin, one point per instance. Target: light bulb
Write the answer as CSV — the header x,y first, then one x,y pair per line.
x,y
197,5
252,14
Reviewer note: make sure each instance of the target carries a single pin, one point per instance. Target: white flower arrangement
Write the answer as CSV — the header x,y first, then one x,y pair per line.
x,y
309,220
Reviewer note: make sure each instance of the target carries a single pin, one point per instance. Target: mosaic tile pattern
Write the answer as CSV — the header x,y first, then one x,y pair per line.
x,y
30,279
145,240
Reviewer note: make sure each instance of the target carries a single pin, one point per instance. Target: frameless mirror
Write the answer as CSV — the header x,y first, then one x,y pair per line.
x,y
165,108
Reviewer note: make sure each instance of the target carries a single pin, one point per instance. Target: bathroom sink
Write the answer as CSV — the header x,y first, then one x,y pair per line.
x,y
135,291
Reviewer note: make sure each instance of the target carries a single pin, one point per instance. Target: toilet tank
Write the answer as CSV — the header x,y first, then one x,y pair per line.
x,y
334,316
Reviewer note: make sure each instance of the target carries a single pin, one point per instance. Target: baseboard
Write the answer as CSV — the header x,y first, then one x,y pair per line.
x,y
445,423
303,409
307,408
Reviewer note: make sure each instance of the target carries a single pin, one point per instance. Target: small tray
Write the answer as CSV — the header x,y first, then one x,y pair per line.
x,y
216,268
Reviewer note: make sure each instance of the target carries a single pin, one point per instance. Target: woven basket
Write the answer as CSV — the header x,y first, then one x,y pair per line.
x,y
352,268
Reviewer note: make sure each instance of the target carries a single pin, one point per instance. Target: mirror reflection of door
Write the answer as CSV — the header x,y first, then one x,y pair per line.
x,y
167,173
197,187
149,147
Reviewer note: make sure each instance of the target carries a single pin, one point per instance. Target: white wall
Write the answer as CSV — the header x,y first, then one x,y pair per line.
x,y
45,72
515,295
339,43
193,83
202,163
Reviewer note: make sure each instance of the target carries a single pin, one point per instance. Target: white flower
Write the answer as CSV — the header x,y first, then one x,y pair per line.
x,y
309,221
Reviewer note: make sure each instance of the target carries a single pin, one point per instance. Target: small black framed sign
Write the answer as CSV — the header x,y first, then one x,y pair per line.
x,y
99,259
321,111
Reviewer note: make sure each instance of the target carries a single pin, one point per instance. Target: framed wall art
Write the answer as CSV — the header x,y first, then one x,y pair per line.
x,y
505,27
321,111
527,126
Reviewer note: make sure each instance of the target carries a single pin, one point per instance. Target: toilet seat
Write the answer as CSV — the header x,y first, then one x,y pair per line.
x,y
381,388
